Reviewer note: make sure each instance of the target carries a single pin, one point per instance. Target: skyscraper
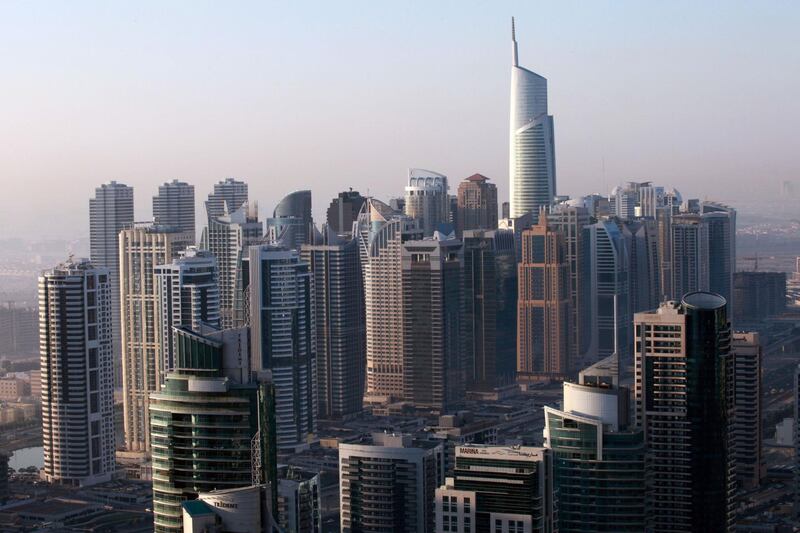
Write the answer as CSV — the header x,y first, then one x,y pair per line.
x,y
426,199
77,374
340,338
388,483
110,211
291,224
343,211
497,488
721,220
490,307
682,372
544,319
228,238
532,158
187,294
641,239
598,459
141,249
206,423
382,233
606,254
174,206
689,241
228,196
282,329
746,428
433,322
477,204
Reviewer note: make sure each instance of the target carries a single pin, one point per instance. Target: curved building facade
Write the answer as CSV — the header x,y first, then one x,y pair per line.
x,y
426,199
532,165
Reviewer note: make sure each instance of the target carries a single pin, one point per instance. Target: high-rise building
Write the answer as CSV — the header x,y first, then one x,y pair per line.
x,y
545,317
721,220
382,233
683,395
207,422
796,406
340,335
388,483
641,238
343,211
174,206
283,329
228,196
4,493
606,254
433,322
664,240
77,373
141,249
689,267
477,204
187,294
228,238
746,424
490,298
532,157
498,489
426,199
299,501
598,459
758,295
291,224
110,211
19,330
569,219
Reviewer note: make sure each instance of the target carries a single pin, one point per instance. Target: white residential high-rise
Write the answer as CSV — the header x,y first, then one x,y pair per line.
x,y
187,294
141,249
77,373
228,196
532,158
282,338
227,238
426,199
110,211
174,206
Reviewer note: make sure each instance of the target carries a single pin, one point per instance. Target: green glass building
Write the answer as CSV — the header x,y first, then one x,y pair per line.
x,y
205,426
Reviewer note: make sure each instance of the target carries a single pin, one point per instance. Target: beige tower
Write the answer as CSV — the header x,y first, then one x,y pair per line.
x,y
141,249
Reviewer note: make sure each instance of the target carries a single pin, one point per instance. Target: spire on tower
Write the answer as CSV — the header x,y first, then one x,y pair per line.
x,y
514,53
513,32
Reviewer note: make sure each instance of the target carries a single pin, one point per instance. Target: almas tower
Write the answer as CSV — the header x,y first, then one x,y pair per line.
x,y
531,150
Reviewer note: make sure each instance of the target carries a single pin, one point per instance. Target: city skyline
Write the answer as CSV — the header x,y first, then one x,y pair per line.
x,y
169,115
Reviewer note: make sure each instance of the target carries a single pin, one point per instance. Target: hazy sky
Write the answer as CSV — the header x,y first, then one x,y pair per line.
x,y
330,95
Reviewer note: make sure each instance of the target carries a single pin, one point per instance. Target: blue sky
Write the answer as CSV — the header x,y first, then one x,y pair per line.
x,y
328,95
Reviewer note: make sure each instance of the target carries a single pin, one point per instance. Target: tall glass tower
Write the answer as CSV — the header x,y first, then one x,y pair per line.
x,y
531,149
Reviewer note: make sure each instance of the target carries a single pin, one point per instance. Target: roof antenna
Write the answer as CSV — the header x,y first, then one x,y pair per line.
x,y
514,52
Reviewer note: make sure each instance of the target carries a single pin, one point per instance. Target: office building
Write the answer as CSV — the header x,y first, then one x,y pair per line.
x,y
382,234
498,489
544,318
228,196
207,423
340,334
758,295
476,204
433,322
641,238
664,240
174,206
683,374
746,428
689,239
569,219
490,308
343,211
283,330
110,211
291,224
239,510
228,238
721,220
598,458
426,199
19,330
388,483
606,254
77,373
532,157
142,248
187,294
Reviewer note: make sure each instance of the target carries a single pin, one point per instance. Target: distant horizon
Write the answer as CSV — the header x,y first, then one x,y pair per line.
x,y
325,98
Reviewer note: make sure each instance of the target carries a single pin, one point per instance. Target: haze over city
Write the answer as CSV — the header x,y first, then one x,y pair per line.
x,y
701,97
